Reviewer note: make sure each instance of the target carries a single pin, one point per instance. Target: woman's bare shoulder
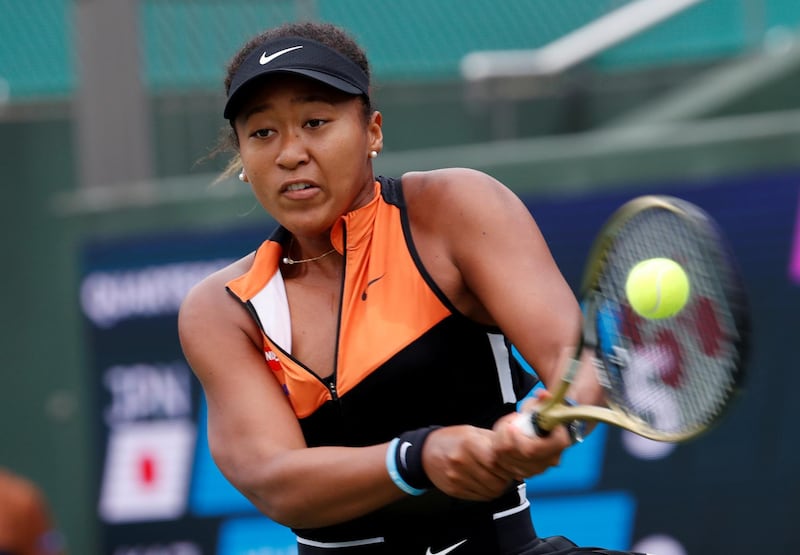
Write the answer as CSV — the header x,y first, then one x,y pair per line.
x,y
446,181
214,284
447,196
208,303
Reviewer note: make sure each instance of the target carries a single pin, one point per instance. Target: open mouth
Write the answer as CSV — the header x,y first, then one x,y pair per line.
x,y
299,186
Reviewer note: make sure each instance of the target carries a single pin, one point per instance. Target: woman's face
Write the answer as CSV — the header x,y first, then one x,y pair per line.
x,y
305,149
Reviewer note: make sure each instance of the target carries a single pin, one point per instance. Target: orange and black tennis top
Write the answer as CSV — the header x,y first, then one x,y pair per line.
x,y
405,357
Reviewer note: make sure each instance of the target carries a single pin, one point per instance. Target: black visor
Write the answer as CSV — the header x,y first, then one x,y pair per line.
x,y
300,56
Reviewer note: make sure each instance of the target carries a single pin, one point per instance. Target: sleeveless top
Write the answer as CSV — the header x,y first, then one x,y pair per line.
x,y
405,357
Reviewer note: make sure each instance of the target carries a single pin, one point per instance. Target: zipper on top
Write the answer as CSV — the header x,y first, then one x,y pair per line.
x,y
332,381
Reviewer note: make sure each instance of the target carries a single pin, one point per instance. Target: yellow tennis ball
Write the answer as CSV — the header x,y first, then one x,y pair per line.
x,y
657,288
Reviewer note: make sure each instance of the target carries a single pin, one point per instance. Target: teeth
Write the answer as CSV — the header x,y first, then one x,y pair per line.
x,y
297,186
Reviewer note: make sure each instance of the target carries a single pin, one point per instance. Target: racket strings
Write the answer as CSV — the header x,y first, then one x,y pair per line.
x,y
676,374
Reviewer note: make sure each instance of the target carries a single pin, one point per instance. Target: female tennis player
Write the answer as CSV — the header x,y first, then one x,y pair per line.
x,y
356,365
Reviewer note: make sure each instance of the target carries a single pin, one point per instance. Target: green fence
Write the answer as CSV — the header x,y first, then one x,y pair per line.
x,y
185,44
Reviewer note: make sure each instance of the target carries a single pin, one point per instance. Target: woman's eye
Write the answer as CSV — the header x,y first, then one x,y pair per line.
x,y
314,123
262,133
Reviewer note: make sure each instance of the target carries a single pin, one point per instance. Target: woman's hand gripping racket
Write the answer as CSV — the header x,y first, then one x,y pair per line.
x,y
667,377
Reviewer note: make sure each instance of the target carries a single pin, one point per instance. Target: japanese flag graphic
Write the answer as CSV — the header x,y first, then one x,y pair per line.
x,y
147,471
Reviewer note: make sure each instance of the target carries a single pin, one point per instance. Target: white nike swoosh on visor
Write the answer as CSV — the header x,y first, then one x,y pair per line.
x,y
446,550
267,59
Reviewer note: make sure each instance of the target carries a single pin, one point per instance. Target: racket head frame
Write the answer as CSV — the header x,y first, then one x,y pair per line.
x,y
553,410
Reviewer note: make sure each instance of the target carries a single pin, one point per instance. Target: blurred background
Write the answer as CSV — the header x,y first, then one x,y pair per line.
x,y
109,110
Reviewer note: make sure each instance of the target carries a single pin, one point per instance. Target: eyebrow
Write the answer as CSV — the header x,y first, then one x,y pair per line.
x,y
299,99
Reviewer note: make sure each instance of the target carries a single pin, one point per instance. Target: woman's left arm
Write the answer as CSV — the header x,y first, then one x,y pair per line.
x,y
485,250
487,253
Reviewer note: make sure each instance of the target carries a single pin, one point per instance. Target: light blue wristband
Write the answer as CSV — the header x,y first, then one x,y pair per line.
x,y
394,474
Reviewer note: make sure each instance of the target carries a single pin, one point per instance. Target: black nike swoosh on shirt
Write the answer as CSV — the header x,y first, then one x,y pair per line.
x,y
370,282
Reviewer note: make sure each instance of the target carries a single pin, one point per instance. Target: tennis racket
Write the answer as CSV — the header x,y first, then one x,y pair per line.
x,y
668,379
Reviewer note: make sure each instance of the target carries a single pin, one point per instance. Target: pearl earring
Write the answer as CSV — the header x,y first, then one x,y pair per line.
x,y
373,153
242,176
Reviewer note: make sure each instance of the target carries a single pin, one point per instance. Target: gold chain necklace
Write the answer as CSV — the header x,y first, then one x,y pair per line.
x,y
288,260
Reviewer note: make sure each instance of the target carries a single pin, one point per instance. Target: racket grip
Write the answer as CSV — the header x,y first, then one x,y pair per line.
x,y
528,424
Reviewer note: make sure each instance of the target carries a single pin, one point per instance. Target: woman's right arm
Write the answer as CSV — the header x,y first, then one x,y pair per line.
x,y
254,435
